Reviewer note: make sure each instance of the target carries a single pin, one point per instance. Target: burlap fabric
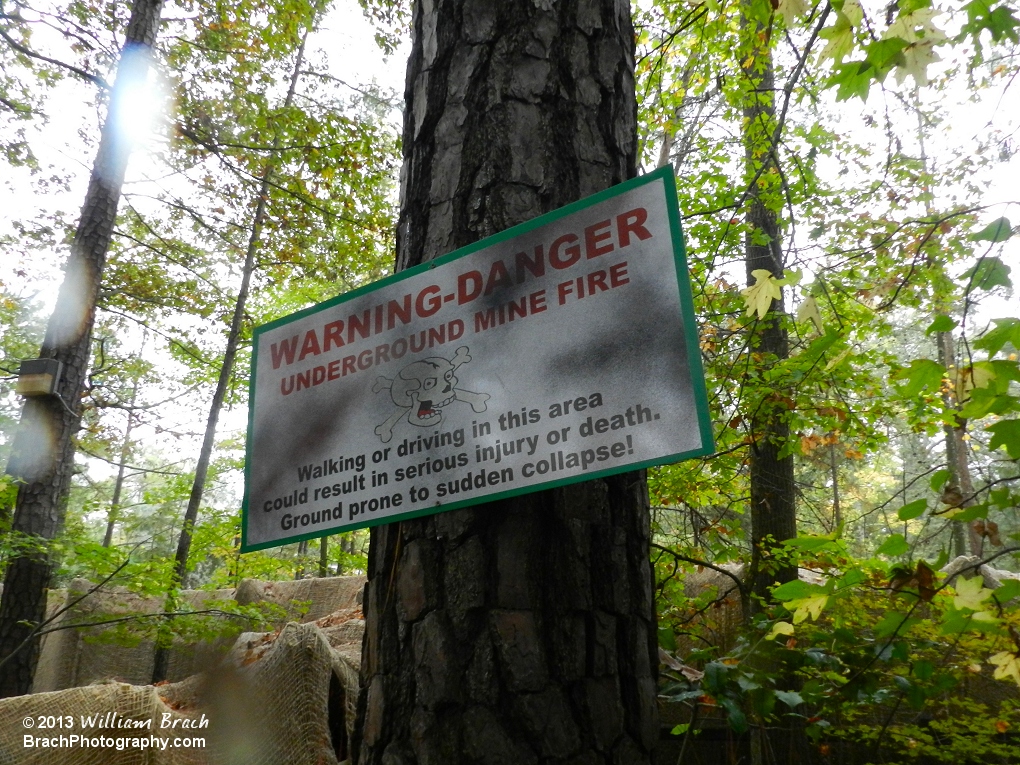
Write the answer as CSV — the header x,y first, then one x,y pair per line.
x,y
74,657
281,698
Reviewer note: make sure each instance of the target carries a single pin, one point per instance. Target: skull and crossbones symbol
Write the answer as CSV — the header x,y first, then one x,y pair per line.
x,y
422,388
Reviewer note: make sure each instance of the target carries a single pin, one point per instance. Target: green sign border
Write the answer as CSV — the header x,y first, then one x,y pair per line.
x,y
694,366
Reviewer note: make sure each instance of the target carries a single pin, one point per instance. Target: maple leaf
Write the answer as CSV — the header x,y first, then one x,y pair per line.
x,y
1006,665
970,593
841,39
916,58
808,311
759,296
803,607
791,9
854,11
841,34
921,36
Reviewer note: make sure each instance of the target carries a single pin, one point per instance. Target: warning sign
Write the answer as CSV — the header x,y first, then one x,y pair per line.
x,y
560,350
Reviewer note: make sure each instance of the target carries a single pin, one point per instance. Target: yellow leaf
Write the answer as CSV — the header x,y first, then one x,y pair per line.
x,y
808,311
804,607
916,29
916,58
779,628
969,378
838,360
841,34
916,25
759,296
791,9
970,593
985,616
1006,665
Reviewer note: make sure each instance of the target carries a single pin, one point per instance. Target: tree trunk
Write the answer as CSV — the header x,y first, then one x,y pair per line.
x,y
43,453
773,508
522,630
118,486
324,556
959,488
161,660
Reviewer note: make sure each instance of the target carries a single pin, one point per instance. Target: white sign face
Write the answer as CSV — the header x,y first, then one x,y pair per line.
x,y
561,350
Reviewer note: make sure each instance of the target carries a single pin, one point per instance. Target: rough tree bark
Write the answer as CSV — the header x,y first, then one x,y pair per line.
x,y
523,630
43,453
773,497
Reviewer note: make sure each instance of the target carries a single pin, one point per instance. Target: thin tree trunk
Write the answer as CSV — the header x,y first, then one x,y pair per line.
x,y
162,655
118,487
324,556
302,553
837,510
43,452
519,631
966,540
773,505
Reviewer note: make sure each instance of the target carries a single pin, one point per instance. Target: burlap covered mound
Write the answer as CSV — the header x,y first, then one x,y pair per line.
x,y
118,713
73,657
304,599
283,698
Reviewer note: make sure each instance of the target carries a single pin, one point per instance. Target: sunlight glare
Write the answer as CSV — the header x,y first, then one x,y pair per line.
x,y
140,98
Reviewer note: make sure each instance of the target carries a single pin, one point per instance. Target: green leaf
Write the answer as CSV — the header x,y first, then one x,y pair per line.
x,y
666,638
735,715
894,546
938,479
1006,331
883,54
1009,590
942,323
854,79
1003,24
790,698
997,231
968,514
987,274
795,590
913,510
820,345
812,543
715,677
923,670
894,623
984,402
922,374
914,694
1007,435
999,21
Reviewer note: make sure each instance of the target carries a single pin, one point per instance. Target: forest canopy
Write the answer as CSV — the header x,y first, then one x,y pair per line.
x,y
846,176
